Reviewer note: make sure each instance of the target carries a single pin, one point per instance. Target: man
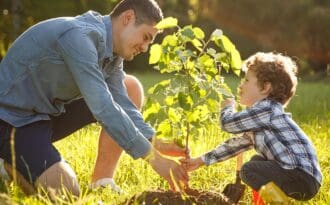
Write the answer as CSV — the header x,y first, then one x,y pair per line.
x,y
65,73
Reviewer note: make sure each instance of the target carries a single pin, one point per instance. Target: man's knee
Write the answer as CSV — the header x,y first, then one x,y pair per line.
x,y
134,90
59,176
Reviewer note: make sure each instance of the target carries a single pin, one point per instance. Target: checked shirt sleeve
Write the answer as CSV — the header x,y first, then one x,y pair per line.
x,y
228,149
252,119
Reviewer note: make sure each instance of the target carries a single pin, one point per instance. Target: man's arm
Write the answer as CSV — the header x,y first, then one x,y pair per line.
x,y
115,81
82,60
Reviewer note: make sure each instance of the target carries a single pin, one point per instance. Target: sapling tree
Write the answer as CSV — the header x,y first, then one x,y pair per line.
x,y
188,100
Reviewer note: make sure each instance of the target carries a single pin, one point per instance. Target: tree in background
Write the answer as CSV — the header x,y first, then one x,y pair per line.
x,y
17,15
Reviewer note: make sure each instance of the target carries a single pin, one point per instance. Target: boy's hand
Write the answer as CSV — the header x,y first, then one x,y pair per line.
x,y
170,148
228,102
192,164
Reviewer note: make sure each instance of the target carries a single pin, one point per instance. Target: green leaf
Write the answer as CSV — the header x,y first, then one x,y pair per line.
x,y
190,65
173,115
203,112
169,100
227,44
164,128
197,44
236,62
152,109
168,22
206,60
155,53
185,101
211,52
202,93
171,40
199,33
193,116
188,32
159,87
212,104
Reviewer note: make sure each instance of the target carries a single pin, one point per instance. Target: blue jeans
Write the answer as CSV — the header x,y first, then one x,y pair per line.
x,y
34,151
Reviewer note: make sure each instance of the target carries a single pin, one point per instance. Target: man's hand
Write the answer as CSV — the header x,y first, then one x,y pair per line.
x,y
170,148
171,171
192,164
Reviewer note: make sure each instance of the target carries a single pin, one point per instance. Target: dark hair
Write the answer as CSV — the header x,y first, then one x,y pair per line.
x,y
277,69
146,11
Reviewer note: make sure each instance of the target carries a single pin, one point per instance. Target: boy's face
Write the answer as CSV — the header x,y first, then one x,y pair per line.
x,y
249,90
135,39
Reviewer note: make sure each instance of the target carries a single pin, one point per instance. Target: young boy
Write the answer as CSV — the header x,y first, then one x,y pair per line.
x,y
286,156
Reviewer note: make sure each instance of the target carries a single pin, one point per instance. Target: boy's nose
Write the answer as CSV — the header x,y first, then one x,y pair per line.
x,y
144,47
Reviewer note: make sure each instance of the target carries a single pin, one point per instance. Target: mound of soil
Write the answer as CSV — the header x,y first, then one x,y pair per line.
x,y
167,197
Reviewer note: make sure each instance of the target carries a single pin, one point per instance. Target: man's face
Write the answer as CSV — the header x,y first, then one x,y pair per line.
x,y
135,39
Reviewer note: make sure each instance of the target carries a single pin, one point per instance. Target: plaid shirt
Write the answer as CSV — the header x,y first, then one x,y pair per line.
x,y
271,132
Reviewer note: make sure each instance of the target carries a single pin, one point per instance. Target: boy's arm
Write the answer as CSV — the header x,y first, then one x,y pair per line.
x,y
251,119
229,148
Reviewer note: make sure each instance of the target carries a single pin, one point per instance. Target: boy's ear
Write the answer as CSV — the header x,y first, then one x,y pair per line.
x,y
267,88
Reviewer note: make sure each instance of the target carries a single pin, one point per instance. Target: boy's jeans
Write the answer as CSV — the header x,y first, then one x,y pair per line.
x,y
295,183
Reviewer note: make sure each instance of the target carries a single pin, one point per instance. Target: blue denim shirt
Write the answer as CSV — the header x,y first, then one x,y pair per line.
x,y
63,59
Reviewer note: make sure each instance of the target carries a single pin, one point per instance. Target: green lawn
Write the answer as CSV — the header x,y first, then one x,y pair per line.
x,y
310,108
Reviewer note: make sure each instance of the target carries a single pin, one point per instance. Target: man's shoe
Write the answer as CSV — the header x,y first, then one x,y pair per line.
x,y
106,182
3,172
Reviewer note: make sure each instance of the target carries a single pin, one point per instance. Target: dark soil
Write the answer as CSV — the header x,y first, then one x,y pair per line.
x,y
167,197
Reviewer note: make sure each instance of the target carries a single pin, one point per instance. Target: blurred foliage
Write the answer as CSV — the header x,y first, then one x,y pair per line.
x,y
299,28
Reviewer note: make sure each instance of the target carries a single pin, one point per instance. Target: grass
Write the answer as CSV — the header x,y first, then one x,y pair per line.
x,y
310,108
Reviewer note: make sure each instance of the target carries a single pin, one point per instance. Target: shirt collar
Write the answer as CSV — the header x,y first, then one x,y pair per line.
x,y
108,27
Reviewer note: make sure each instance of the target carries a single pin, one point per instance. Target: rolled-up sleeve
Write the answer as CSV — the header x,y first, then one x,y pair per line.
x,y
80,55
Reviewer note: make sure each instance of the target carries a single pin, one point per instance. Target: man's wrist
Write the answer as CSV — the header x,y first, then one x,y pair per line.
x,y
150,155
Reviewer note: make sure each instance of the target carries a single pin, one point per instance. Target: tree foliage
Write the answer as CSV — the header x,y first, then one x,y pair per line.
x,y
184,104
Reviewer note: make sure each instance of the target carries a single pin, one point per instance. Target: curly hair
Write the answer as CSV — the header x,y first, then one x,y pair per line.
x,y
276,69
